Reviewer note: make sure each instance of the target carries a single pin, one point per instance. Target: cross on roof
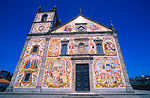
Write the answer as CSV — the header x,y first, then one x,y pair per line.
x,y
80,11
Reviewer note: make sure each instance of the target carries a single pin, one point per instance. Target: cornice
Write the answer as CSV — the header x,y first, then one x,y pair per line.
x,y
43,22
71,33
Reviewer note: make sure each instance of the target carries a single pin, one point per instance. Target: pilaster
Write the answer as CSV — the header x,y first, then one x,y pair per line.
x,y
129,88
41,71
91,75
10,87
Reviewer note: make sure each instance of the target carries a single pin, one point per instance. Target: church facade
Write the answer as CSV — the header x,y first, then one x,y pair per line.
x,y
80,55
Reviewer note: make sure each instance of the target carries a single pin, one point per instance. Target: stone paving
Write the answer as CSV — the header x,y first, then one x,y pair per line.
x,y
137,94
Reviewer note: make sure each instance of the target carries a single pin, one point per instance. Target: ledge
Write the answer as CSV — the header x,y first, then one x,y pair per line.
x,y
82,58
78,39
80,33
67,33
84,55
42,21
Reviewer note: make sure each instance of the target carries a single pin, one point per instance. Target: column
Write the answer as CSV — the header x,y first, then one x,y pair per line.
x,y
41,71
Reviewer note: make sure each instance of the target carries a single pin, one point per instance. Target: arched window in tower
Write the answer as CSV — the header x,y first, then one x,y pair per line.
x,y
99,48
81,48
64,49
44,17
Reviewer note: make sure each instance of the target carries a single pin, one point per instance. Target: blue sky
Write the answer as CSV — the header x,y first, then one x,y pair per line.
x,y
130,17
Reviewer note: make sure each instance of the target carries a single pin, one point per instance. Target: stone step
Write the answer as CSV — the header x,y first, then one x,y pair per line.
x,y
83,96
127,95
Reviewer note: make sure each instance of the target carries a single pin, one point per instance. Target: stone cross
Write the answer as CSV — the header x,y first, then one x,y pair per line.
x,y
80,11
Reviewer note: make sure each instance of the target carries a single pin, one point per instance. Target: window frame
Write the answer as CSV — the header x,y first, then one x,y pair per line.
x,y
64,50
25,77
63,42
99,41
33,49
101,49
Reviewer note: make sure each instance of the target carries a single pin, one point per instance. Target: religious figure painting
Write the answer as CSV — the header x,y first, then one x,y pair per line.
x,y
71,46
54,47
107,72
92,47
57,73
67,28
109,46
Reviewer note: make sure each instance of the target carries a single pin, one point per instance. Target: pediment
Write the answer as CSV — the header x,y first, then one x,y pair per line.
x,y
81,24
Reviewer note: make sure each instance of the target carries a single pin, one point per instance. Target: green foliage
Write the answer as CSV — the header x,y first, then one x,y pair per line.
x,y
147,83
9,77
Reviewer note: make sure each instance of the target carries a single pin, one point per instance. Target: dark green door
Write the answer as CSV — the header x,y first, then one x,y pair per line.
x,y
82,77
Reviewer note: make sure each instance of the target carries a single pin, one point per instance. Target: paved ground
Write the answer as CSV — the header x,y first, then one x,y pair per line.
x,y
137,94
142,92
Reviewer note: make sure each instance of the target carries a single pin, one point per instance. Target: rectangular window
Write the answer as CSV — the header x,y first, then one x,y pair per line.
x,y
99,49
27,77
35,48
64,49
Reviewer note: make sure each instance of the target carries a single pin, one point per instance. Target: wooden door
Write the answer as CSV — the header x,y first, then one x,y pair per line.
x,y
82,77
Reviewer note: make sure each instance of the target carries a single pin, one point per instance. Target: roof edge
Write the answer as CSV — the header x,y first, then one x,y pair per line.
x,y
85,18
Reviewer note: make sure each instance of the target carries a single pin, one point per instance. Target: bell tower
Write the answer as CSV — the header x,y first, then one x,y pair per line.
x,y
44,21
29,70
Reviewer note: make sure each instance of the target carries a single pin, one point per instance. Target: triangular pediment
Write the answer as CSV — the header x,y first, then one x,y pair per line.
x,y
81,24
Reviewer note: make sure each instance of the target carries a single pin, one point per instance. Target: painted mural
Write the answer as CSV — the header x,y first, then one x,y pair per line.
x,y
30,64
91,26
107,72
71,47
92,47
109,46
57,73
54,47
49,17
41,27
